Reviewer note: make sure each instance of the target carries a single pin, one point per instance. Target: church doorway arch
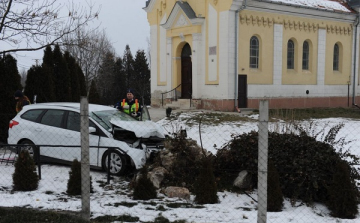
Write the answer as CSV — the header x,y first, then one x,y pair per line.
x,y
186,72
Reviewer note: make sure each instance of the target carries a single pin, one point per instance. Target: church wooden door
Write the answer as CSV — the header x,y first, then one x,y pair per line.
x,y
242,91
186,77
186,72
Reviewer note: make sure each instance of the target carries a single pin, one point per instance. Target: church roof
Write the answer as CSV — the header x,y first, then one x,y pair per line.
x,y
183,5
328,5
187,9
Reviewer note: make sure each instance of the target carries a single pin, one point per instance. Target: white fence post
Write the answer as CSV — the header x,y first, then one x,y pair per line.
x,y
263,160
85,167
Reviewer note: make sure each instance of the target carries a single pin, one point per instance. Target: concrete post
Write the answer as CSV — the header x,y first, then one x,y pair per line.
x,y
263,160
85,167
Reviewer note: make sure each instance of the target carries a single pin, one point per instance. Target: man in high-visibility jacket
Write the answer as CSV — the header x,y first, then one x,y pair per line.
x,y
130,105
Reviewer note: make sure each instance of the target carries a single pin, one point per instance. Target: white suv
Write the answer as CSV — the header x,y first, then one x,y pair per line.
x,y
53,129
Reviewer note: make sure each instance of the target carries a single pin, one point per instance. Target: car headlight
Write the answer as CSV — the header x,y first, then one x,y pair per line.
x,y
146,150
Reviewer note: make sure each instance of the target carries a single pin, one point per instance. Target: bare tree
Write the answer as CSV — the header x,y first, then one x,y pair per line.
x,y
30,25
89,47
23,76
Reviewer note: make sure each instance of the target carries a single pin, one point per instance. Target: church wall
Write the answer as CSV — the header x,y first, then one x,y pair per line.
x,y
227,53
220,64
277,58
162,80
321,55
201,72
213,48
265,82
196,59
356,45
300,30
336,34
169,63
154,54
260,25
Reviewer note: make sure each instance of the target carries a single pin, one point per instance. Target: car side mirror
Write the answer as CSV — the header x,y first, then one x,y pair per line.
x,y
92,130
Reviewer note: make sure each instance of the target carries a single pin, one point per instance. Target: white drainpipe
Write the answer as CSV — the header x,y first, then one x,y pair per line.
x,y
355,59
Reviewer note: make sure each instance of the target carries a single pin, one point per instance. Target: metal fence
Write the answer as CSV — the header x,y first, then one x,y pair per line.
x,y
104,194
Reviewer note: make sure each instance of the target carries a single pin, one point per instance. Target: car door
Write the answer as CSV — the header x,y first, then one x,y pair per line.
x,y
51,134
72,124
28,126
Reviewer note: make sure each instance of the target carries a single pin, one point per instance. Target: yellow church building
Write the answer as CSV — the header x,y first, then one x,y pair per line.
x,y
224,54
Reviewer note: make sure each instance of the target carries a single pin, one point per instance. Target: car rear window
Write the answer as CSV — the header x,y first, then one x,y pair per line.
x,y
31,115
53,118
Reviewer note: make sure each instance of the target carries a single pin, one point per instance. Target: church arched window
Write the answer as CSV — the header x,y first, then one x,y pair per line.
x,y
290,55
336,60
254,52
305,56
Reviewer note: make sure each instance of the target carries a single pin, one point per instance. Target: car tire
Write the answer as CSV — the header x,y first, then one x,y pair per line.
x,y
117,162
30,147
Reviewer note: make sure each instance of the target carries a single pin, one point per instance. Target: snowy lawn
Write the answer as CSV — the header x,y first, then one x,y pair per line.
x,y
115,199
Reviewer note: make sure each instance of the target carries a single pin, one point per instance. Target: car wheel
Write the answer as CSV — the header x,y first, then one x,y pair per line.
x,y
117,162
30,147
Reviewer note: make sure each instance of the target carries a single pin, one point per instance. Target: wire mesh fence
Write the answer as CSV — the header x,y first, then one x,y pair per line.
x,y
264,171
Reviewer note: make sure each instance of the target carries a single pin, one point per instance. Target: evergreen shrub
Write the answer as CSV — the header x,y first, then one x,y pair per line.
x,y
74,182
186,164
94,97
143,187
342,193
239,154
25,177
9,83
205,186
306,166
274,193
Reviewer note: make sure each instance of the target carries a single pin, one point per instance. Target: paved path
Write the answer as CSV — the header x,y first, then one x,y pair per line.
x,y
157,114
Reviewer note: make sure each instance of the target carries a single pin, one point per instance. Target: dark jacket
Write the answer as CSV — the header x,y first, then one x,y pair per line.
x,y
21,102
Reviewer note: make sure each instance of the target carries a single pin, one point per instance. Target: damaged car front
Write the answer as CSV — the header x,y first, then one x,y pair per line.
x,y
139,134
145,134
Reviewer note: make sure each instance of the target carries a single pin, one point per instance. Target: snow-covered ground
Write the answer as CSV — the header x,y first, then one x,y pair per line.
x,y
115,199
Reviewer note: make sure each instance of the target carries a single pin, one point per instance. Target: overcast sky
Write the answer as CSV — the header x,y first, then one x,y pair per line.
x,y
124,21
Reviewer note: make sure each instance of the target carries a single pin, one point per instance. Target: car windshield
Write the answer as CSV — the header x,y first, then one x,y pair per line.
x,y
104,117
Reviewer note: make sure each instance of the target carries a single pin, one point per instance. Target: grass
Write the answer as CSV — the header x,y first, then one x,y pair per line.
x,y
17,214
20,215
122,218
12,215
183,205
161,219
217,118
210,118
123,203
313,113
